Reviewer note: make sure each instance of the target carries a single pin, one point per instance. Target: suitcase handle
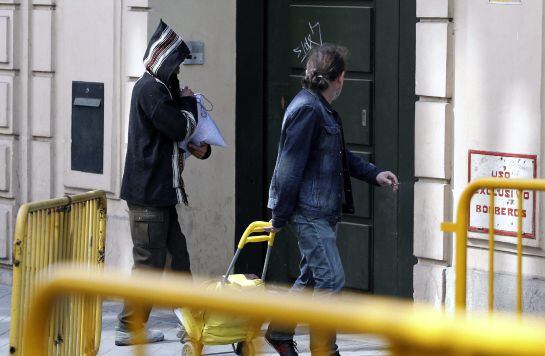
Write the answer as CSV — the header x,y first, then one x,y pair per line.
x,y
255,227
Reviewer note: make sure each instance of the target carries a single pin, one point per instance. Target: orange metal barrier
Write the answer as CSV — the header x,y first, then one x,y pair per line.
x,y
69,229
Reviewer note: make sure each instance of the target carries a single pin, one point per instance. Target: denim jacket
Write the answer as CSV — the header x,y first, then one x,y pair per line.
x,y
308,176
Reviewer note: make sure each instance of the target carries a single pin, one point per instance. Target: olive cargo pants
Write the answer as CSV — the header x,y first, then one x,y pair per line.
x,y
154,231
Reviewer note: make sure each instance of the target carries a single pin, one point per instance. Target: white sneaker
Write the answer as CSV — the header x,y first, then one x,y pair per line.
x,y
181,333
126,338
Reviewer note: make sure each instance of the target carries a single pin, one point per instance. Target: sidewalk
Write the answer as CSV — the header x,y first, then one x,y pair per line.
x,y
350,345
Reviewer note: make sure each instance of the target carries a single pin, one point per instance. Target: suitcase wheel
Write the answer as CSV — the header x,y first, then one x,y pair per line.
x,y
190,349
244,348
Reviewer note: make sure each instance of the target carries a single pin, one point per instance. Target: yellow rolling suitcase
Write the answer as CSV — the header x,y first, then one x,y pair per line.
x,y
209,328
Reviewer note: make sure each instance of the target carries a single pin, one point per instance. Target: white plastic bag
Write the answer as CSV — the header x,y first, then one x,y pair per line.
x,y
206,131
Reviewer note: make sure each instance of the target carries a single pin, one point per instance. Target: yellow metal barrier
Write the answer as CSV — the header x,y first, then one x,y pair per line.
x,y
410,329
69,229
460,228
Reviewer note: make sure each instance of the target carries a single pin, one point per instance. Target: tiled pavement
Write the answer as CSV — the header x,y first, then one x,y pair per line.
x,y
350,345
5,305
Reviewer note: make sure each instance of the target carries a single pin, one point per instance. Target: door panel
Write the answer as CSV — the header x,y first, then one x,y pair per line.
x,y
354,241
349,26
354,106
362,194
285,258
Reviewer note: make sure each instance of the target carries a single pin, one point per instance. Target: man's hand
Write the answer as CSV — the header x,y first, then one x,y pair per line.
x,y
271,228
199,151
186,92
387,178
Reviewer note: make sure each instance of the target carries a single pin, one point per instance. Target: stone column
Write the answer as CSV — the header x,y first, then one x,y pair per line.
x,y
15,130
433,148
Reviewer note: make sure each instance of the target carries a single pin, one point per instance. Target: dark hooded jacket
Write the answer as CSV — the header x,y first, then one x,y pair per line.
x,y
158,119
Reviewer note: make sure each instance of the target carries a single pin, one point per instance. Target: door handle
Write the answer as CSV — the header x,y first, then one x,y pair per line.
x,y
364,118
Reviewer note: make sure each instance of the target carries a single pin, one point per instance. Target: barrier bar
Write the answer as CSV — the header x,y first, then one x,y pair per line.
x,y
491,230
409,328
519,253
460,226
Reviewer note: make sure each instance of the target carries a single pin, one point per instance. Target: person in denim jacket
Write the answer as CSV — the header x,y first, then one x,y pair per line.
x,y
310,186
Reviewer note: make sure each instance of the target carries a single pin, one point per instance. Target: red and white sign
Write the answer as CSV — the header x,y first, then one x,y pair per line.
x,y
484,164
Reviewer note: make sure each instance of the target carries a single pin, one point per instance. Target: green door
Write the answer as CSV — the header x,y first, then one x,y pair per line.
x,y
369,107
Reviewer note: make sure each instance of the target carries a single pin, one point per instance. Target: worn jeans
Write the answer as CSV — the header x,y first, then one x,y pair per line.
x,y
154,231
320,268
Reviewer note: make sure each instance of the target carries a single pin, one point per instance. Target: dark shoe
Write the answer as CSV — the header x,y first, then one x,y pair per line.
x,y
238,348
283,347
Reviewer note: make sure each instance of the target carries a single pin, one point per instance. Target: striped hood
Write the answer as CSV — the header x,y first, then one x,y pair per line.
x,y
166,51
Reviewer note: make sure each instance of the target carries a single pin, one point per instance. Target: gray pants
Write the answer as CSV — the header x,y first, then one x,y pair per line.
x,y
154,231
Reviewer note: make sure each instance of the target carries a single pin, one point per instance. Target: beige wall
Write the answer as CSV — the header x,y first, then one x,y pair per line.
x,y
497,103
209,221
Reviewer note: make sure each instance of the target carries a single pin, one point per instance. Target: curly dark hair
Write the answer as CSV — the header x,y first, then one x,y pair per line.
x,y
325,63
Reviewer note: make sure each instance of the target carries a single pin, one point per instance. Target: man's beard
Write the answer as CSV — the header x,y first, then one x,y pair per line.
x,y
337,94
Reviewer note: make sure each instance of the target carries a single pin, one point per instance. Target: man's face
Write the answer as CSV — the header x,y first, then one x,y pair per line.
x,y
338,85
341,81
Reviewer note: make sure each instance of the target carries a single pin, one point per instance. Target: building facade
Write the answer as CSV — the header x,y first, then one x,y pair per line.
x,y
50,46
428,82
479,78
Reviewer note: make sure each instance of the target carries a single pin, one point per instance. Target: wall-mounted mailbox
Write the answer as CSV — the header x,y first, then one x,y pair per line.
x,y
87,145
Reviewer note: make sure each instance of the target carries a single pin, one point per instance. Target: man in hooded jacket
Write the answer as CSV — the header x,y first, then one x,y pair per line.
x,y
160,116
